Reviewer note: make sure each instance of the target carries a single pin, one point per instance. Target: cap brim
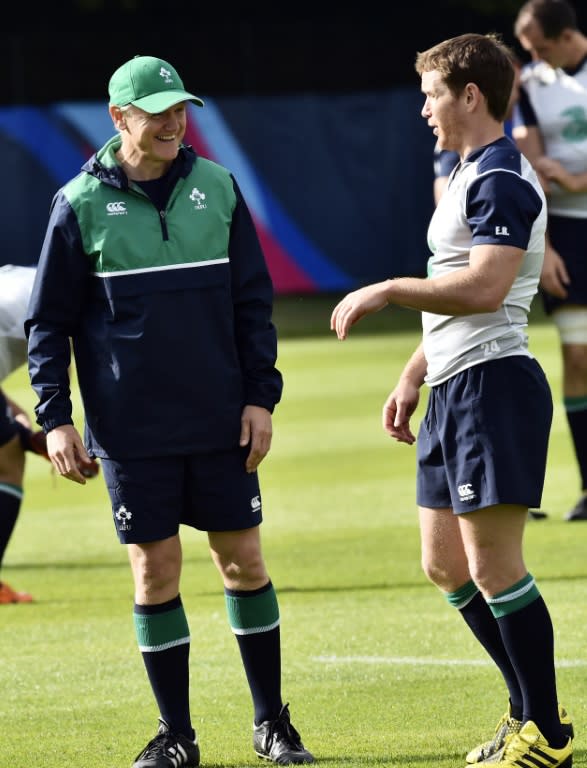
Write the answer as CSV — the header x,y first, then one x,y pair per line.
x,y
159,102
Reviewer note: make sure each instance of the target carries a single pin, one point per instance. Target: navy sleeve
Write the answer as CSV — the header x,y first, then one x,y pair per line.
x,y
524,111
59,292
253,305
501,209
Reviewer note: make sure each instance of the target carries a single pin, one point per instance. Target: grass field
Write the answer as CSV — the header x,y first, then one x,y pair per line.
x,y
379,670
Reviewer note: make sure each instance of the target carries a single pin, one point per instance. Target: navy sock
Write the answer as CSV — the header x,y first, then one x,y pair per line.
x,y
482,623
576,411
254,619
163,638
10,501
526,629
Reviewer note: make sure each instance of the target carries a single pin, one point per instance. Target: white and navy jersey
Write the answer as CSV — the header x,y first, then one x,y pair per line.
x,y
555,100
493,197
15,289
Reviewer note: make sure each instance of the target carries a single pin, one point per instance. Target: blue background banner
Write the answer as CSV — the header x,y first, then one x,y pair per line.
x,y
339,185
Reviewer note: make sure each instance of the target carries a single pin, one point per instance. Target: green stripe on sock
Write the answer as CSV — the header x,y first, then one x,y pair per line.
x,y
574,404
159,631
249,614
515,598
463,595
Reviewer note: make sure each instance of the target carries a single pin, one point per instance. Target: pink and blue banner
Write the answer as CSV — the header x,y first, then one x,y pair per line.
x,y
339,186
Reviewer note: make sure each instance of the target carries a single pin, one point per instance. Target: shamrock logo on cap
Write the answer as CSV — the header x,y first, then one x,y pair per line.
x,y
166,75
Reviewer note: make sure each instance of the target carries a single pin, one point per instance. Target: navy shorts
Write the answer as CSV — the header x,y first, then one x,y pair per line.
x,y
569,237
8,428
484,437
211,492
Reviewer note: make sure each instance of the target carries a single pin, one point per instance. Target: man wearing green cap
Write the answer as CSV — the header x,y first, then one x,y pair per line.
x,y
151,266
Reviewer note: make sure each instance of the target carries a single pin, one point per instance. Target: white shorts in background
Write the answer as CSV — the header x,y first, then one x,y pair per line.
x,y
15,289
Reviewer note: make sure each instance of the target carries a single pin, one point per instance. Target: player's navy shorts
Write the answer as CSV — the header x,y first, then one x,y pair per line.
x,y
8,428
569,237
211,492
484,437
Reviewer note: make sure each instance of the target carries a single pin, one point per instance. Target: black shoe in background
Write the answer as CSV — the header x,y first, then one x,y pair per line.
x,y
537,514
579,511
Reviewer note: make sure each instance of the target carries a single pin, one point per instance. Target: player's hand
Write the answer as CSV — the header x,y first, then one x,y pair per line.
x,y
553,170
256,430
356,305
554,277
397,410
544,182
67,451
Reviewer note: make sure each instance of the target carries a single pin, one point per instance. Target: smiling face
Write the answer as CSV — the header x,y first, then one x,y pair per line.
x,y
443,110
150,143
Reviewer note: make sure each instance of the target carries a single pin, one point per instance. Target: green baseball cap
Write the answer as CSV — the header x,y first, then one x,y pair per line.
x,y
148,83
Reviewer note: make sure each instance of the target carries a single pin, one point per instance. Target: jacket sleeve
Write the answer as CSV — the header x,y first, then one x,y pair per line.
x,y
252,292
58,295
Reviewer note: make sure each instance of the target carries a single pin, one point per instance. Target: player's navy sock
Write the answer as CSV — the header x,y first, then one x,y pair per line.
x,y
576,411
526,629
254,619
164,640
10,501
482,623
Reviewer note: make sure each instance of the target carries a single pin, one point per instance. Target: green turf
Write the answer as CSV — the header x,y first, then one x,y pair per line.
x,y
369,646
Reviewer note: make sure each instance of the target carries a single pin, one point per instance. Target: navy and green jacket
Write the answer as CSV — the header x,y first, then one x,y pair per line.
x,y
169,312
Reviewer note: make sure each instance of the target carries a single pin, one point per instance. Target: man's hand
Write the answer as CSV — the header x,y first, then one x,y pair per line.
x,y
554,277
397,410
256,430
356,305
67,453
553,170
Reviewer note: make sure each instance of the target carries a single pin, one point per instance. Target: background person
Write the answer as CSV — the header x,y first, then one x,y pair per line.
x,y
151,263
15,439
15,289
482,444
551,130
16,433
